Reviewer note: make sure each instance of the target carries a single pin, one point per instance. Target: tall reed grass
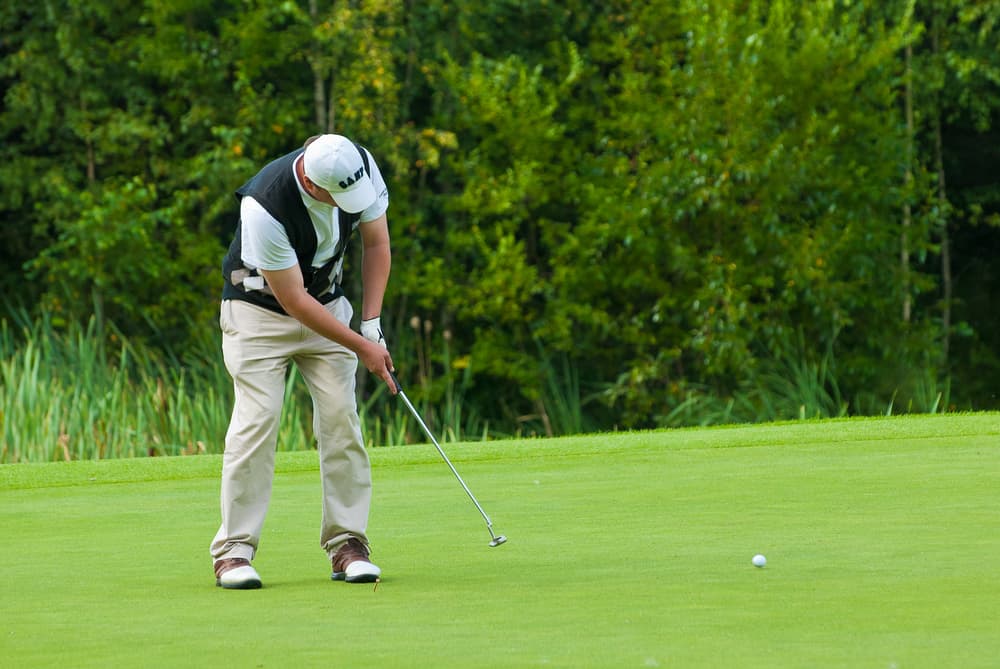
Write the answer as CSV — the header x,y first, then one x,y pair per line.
x,y
84,391
803,386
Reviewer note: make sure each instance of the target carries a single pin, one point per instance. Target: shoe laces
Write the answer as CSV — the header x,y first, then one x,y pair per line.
x,y
225,564
351,551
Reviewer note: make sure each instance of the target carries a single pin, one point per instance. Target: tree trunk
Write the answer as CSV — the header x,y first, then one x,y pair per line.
x,y
319,93
904,252
331,112
946,278
91,162
942,194
88,143
319,98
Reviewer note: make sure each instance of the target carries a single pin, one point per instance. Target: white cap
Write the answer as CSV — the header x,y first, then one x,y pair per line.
x,y
333,163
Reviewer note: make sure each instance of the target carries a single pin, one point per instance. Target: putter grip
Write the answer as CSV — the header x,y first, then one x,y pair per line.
x,y
399,388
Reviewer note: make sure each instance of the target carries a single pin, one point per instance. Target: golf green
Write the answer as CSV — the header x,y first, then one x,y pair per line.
x,y
625,550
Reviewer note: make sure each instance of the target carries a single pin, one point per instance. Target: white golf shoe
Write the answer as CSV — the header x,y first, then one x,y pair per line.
x,y
236,574
351,564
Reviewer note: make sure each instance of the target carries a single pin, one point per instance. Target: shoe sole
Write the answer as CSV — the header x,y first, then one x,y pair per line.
x,y
243,577
360,578
243,585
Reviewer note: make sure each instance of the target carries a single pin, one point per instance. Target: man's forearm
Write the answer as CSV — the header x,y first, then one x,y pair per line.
x,y
311,313
303,307
376,265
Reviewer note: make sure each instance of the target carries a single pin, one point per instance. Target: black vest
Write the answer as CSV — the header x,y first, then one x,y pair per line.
x,y
276,190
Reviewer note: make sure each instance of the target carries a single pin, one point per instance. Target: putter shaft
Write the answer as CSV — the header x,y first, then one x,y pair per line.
x,y
423,426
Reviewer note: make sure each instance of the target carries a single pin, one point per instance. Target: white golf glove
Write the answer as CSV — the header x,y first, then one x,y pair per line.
x,y
371,330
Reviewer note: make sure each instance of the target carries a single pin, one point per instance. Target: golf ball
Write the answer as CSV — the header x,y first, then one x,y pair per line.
x,y
759,560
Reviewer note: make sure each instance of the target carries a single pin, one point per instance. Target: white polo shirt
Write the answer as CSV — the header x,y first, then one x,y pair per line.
x,y
265,242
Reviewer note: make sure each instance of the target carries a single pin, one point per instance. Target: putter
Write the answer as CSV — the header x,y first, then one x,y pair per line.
x,y
496,540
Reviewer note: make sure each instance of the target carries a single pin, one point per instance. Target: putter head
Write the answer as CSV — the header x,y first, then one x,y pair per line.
x,y
497,541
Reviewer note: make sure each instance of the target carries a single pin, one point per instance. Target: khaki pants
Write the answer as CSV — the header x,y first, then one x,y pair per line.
x,y
258,345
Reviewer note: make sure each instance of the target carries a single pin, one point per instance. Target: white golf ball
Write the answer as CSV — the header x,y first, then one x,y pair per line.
x,y
759,560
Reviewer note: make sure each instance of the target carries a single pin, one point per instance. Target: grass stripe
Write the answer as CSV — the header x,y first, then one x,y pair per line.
x,y
907,428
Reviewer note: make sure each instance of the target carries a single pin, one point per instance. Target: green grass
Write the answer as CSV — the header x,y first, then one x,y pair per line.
x,y
626,550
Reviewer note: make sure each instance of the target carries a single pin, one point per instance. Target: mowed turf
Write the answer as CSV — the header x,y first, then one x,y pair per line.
x,y
625,550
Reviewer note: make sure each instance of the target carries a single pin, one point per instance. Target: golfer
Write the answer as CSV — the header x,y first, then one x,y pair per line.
x,y
282,302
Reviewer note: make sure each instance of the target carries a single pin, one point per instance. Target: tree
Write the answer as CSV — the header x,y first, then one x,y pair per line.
x,y
670,200
957,70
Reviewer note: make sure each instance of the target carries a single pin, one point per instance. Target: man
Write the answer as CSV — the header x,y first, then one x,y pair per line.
x,y
283,303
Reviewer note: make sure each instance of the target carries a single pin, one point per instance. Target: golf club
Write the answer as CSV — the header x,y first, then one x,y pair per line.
x,y
496,539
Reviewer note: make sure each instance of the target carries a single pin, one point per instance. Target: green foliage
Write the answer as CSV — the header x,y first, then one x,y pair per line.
x,y
663,195
129,257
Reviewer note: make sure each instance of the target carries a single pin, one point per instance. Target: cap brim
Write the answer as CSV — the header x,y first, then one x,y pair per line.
x,y
357,198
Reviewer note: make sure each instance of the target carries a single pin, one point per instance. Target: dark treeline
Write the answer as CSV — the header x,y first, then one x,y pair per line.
x,y
604,215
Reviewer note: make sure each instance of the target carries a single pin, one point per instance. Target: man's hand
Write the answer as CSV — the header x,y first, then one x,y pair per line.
x,y
376,359
371,330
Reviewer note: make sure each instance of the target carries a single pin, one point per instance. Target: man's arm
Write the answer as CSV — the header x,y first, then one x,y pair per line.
x,y
290,292
375,265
